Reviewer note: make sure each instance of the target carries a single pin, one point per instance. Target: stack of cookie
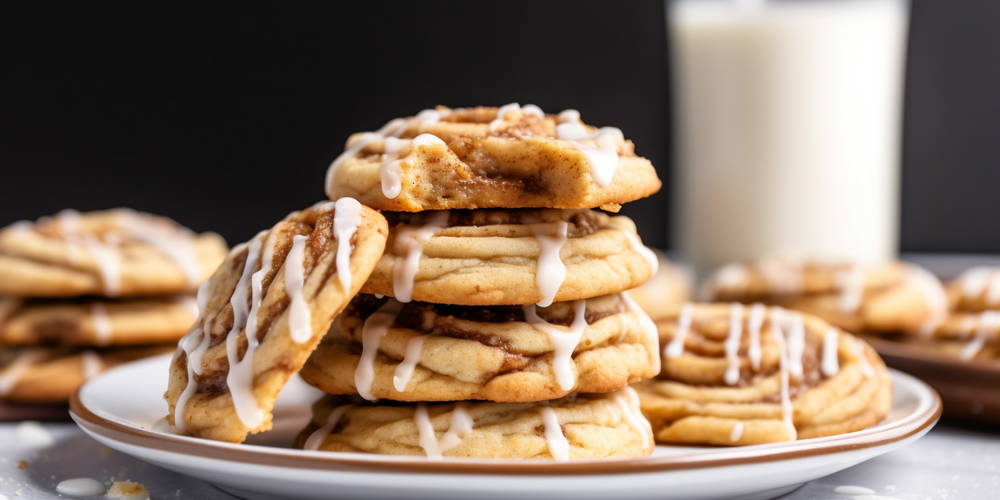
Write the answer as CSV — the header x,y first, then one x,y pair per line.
x,y
82,292
496,324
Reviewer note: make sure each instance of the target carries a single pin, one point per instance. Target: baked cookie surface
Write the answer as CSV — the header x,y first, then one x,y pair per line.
x,y
737,375
888,297
578,427
52,374
507,157
111,253
262,314
95,321
509,257
427,352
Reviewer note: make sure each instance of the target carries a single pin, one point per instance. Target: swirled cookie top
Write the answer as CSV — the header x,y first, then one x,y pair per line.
x,y
508,157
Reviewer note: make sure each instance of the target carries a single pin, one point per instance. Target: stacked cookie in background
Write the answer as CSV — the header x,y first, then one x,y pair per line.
x,y
82,292
497,323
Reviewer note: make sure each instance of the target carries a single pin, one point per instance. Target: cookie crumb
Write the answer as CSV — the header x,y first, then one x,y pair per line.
x,y
22,464
128,490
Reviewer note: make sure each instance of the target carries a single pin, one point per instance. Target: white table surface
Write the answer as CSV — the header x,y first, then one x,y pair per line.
x,y
950,462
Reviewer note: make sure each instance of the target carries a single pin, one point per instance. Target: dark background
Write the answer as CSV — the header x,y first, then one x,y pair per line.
x,y
225,116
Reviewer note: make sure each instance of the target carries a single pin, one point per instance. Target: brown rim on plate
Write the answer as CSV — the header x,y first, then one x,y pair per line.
x,y
970,390
278,457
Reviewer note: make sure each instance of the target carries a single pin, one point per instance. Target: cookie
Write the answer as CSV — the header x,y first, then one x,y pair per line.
x,y
671,286
888,297
976,290
262,314
507,157
509,257
738,375
96,321
52,374
963,335
428,352
578,427
112,253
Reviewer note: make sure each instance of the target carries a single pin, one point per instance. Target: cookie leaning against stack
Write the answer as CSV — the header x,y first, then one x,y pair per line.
x,y
497,320
83,292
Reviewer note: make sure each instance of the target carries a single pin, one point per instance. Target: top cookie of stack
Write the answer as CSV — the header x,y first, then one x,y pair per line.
x,y
505,287
507,157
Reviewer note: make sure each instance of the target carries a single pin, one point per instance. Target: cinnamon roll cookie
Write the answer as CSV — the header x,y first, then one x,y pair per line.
x,y
577,427
736,375
52,374
888,297
112,253
506,157
96,321
971,329
510,257
263,312
380,348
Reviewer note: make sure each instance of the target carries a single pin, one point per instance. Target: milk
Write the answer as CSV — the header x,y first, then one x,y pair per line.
x,y
787,128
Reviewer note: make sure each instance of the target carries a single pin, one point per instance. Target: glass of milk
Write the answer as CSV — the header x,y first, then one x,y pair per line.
x,y
787,123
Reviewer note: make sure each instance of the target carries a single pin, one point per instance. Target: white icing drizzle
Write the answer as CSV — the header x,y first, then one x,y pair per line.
x,y
404,370
866,366
194,345
410,246
648,327
754,323
550,271
731,276
375,327
394,128
240,376
91,364
977,280
528,109
460,426
11,375
603,159
175,243
108,261
796,343
80,487
316,438
102,325
628,402
558,444
783,273
732,343
676,346
853,284
987,325
638,247
777,317
391,172
563,342
934,296
299,317
189,304
830,364
737,432
69,223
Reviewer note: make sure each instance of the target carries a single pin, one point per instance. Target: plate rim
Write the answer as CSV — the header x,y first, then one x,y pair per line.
x,y
93,423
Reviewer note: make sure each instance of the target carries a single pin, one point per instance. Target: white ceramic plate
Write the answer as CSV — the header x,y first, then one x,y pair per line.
x,y
119,408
